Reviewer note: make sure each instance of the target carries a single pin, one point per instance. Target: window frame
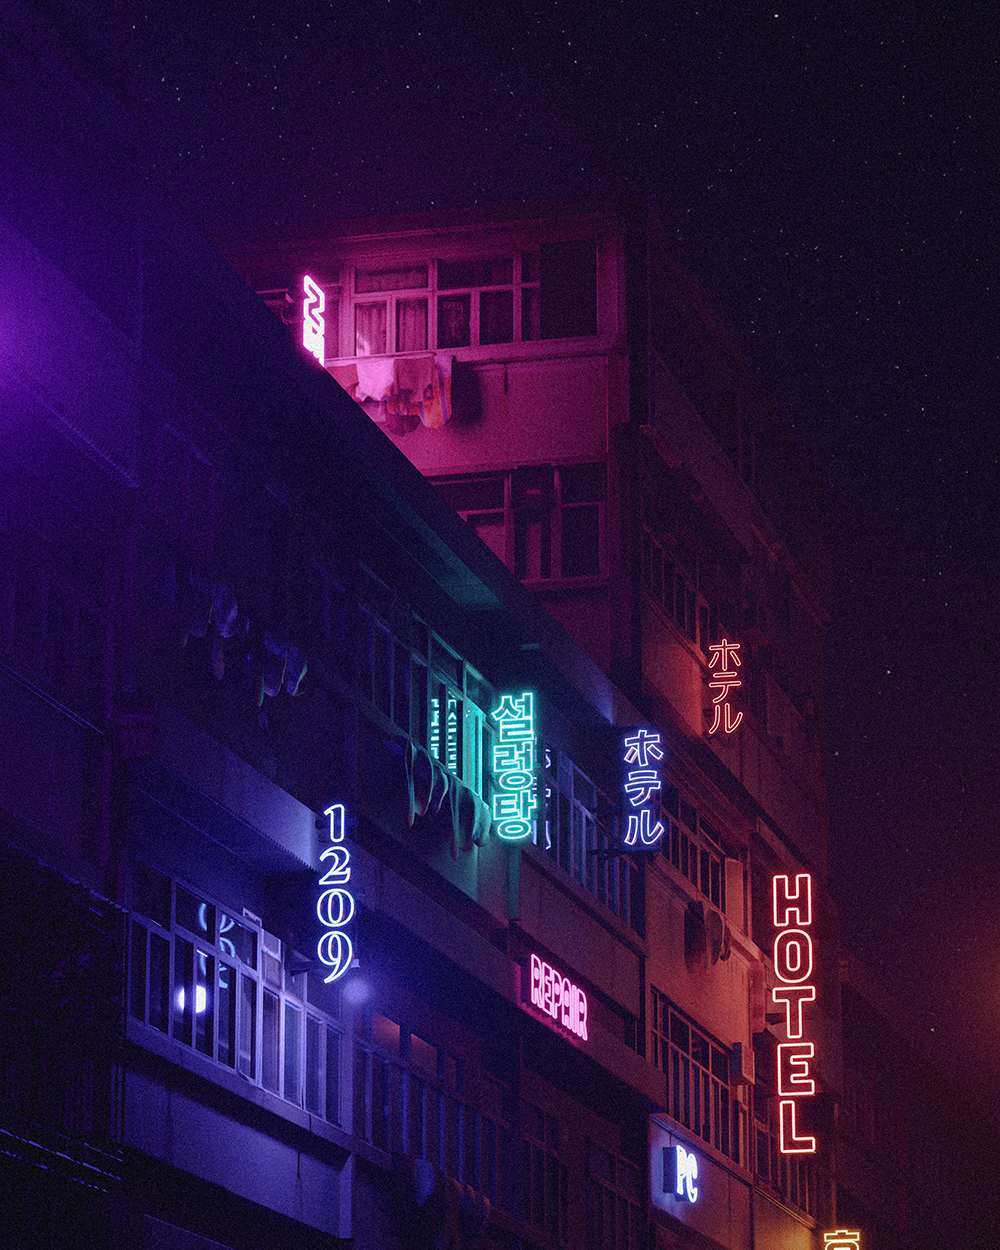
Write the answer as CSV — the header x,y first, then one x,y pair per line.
x,y
525,301
315,1062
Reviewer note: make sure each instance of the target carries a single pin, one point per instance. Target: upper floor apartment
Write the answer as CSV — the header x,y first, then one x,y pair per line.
x,y
565,384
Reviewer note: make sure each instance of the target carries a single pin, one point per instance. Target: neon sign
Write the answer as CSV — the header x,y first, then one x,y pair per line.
x,y
558,997
642,784
514,767
680,1171
841,1240
793,966
450,732
335,905
724,659
313,322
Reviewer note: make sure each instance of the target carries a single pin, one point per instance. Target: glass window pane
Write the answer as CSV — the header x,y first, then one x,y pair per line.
x,y
248,1027
237,941
195,915
269,1042
292,1043
411,325
496,317
313,1083
453,320
481,271
370,329
581,541
159,974
204,1002
380,278
385,1033
423,1055
531,321
183,989
225,1016
333,1078
137,969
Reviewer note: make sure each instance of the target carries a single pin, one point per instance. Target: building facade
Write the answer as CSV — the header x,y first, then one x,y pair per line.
x,y
394,862
600,433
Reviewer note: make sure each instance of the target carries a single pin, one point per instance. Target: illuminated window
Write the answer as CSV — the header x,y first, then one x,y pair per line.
x,y
699,1093
446,304
614,1194
216,982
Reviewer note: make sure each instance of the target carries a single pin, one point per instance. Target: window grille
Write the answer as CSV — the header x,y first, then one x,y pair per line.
x,y
410,1096
214,981
699,1095
614,1195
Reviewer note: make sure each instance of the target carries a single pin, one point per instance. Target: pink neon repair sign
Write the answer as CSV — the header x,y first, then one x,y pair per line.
x,y
555,995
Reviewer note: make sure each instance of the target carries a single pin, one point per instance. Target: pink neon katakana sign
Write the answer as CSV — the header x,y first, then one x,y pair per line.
x,y
724,660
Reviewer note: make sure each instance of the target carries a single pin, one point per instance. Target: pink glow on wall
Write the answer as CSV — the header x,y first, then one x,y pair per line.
x,y
793,965
313,322
723,660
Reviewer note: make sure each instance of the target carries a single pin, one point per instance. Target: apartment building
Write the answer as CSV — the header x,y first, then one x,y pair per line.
x,y
560,379
413,824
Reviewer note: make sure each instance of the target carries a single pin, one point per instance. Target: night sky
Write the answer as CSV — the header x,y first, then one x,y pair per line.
x,y
831,181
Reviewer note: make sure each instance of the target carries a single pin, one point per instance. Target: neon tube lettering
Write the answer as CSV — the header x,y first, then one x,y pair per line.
x,y
793,996
642,786
514,800
335,906
680,1171
721,656
841,1240
557,996
313,323
793,965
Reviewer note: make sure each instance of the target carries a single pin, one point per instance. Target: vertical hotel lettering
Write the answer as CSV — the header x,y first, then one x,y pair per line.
x,y
793,966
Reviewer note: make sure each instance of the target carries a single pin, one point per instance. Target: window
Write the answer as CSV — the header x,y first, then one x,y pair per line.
x,y
614,1194
577,832
545,522
693,847
543,1175
792,1176
446,304
410,1097
421,687
217,983
192,497
697,1071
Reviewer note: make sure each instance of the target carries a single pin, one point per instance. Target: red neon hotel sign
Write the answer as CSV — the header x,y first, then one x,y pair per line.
x,y
793,966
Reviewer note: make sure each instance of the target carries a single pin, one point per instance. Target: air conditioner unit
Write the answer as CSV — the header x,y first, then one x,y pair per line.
x,y
741,1067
